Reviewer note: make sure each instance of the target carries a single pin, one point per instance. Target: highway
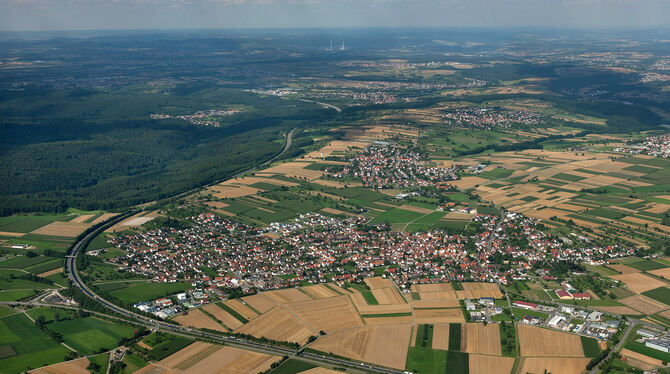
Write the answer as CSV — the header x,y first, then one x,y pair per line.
x,y
73,274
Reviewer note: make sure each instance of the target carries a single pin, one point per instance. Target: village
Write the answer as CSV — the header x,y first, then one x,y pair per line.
x,y
488,118
383,166
658,146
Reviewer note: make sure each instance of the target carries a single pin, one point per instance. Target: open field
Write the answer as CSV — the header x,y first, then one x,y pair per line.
x,y
441,336
88,335
241,308
477,338
541,365
196,318
378,283
207,358
328,314
649,362
482,364
438,315
383,345
621,310
66,229
638,282
68,367
540,342
477,290
439,295
278,324
397,320
287,295
260,302
643,304
388,295
623,269
364,308
664,273
219,313
319,291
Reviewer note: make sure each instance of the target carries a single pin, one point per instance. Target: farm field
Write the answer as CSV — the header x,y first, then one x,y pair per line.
x,y
540,342
25,346
90,335
477,338
278,324
483,364
384,345
553,365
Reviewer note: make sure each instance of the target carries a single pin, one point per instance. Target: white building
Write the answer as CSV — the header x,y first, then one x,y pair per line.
x,y
662,345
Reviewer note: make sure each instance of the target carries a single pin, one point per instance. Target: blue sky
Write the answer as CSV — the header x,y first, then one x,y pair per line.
x,y
189,14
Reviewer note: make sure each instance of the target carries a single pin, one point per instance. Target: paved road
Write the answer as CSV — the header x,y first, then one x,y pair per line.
x,y
323,104
616,348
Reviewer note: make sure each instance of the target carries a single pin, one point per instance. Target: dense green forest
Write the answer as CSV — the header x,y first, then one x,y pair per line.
x,y
100,150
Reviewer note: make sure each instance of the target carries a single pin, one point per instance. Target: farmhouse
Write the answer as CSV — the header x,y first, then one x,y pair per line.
x,y
524,305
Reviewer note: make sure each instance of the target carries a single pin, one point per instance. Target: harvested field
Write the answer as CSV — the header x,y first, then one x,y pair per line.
x,y
477,290
234,361
319,291
539,342
320,371
480,364
648,363
363,307
216,204
543,365
102,218
223,316
336,184
383,345
180,356
68,367
337,212
82,218
621,310
401,320
438,315
50,272
389,295
644,304
665,272
295,169
287,295
623,269
200,320
441,336
439,295
227,192
379,282
477,338
417,209
241,308
467,182
66,229
260,302
638,282
145,345
327,314
278,324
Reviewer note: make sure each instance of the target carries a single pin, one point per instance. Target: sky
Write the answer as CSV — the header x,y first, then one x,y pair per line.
x,y
43,15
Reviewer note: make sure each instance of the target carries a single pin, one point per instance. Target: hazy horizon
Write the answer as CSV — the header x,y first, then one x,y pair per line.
x,y
90,15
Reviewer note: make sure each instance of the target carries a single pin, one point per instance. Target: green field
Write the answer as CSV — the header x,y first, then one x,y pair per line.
x,y
102,361
27,223
661,294
646,265
50,314
367,294
6,311
164,345
590,346
133,363
140,291
34,348
422,358
458,362
293,365
91,335
20,262
454,337
396,215
16,295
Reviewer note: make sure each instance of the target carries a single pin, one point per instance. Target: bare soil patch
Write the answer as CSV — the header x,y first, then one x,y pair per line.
x,y
66,229
638,282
